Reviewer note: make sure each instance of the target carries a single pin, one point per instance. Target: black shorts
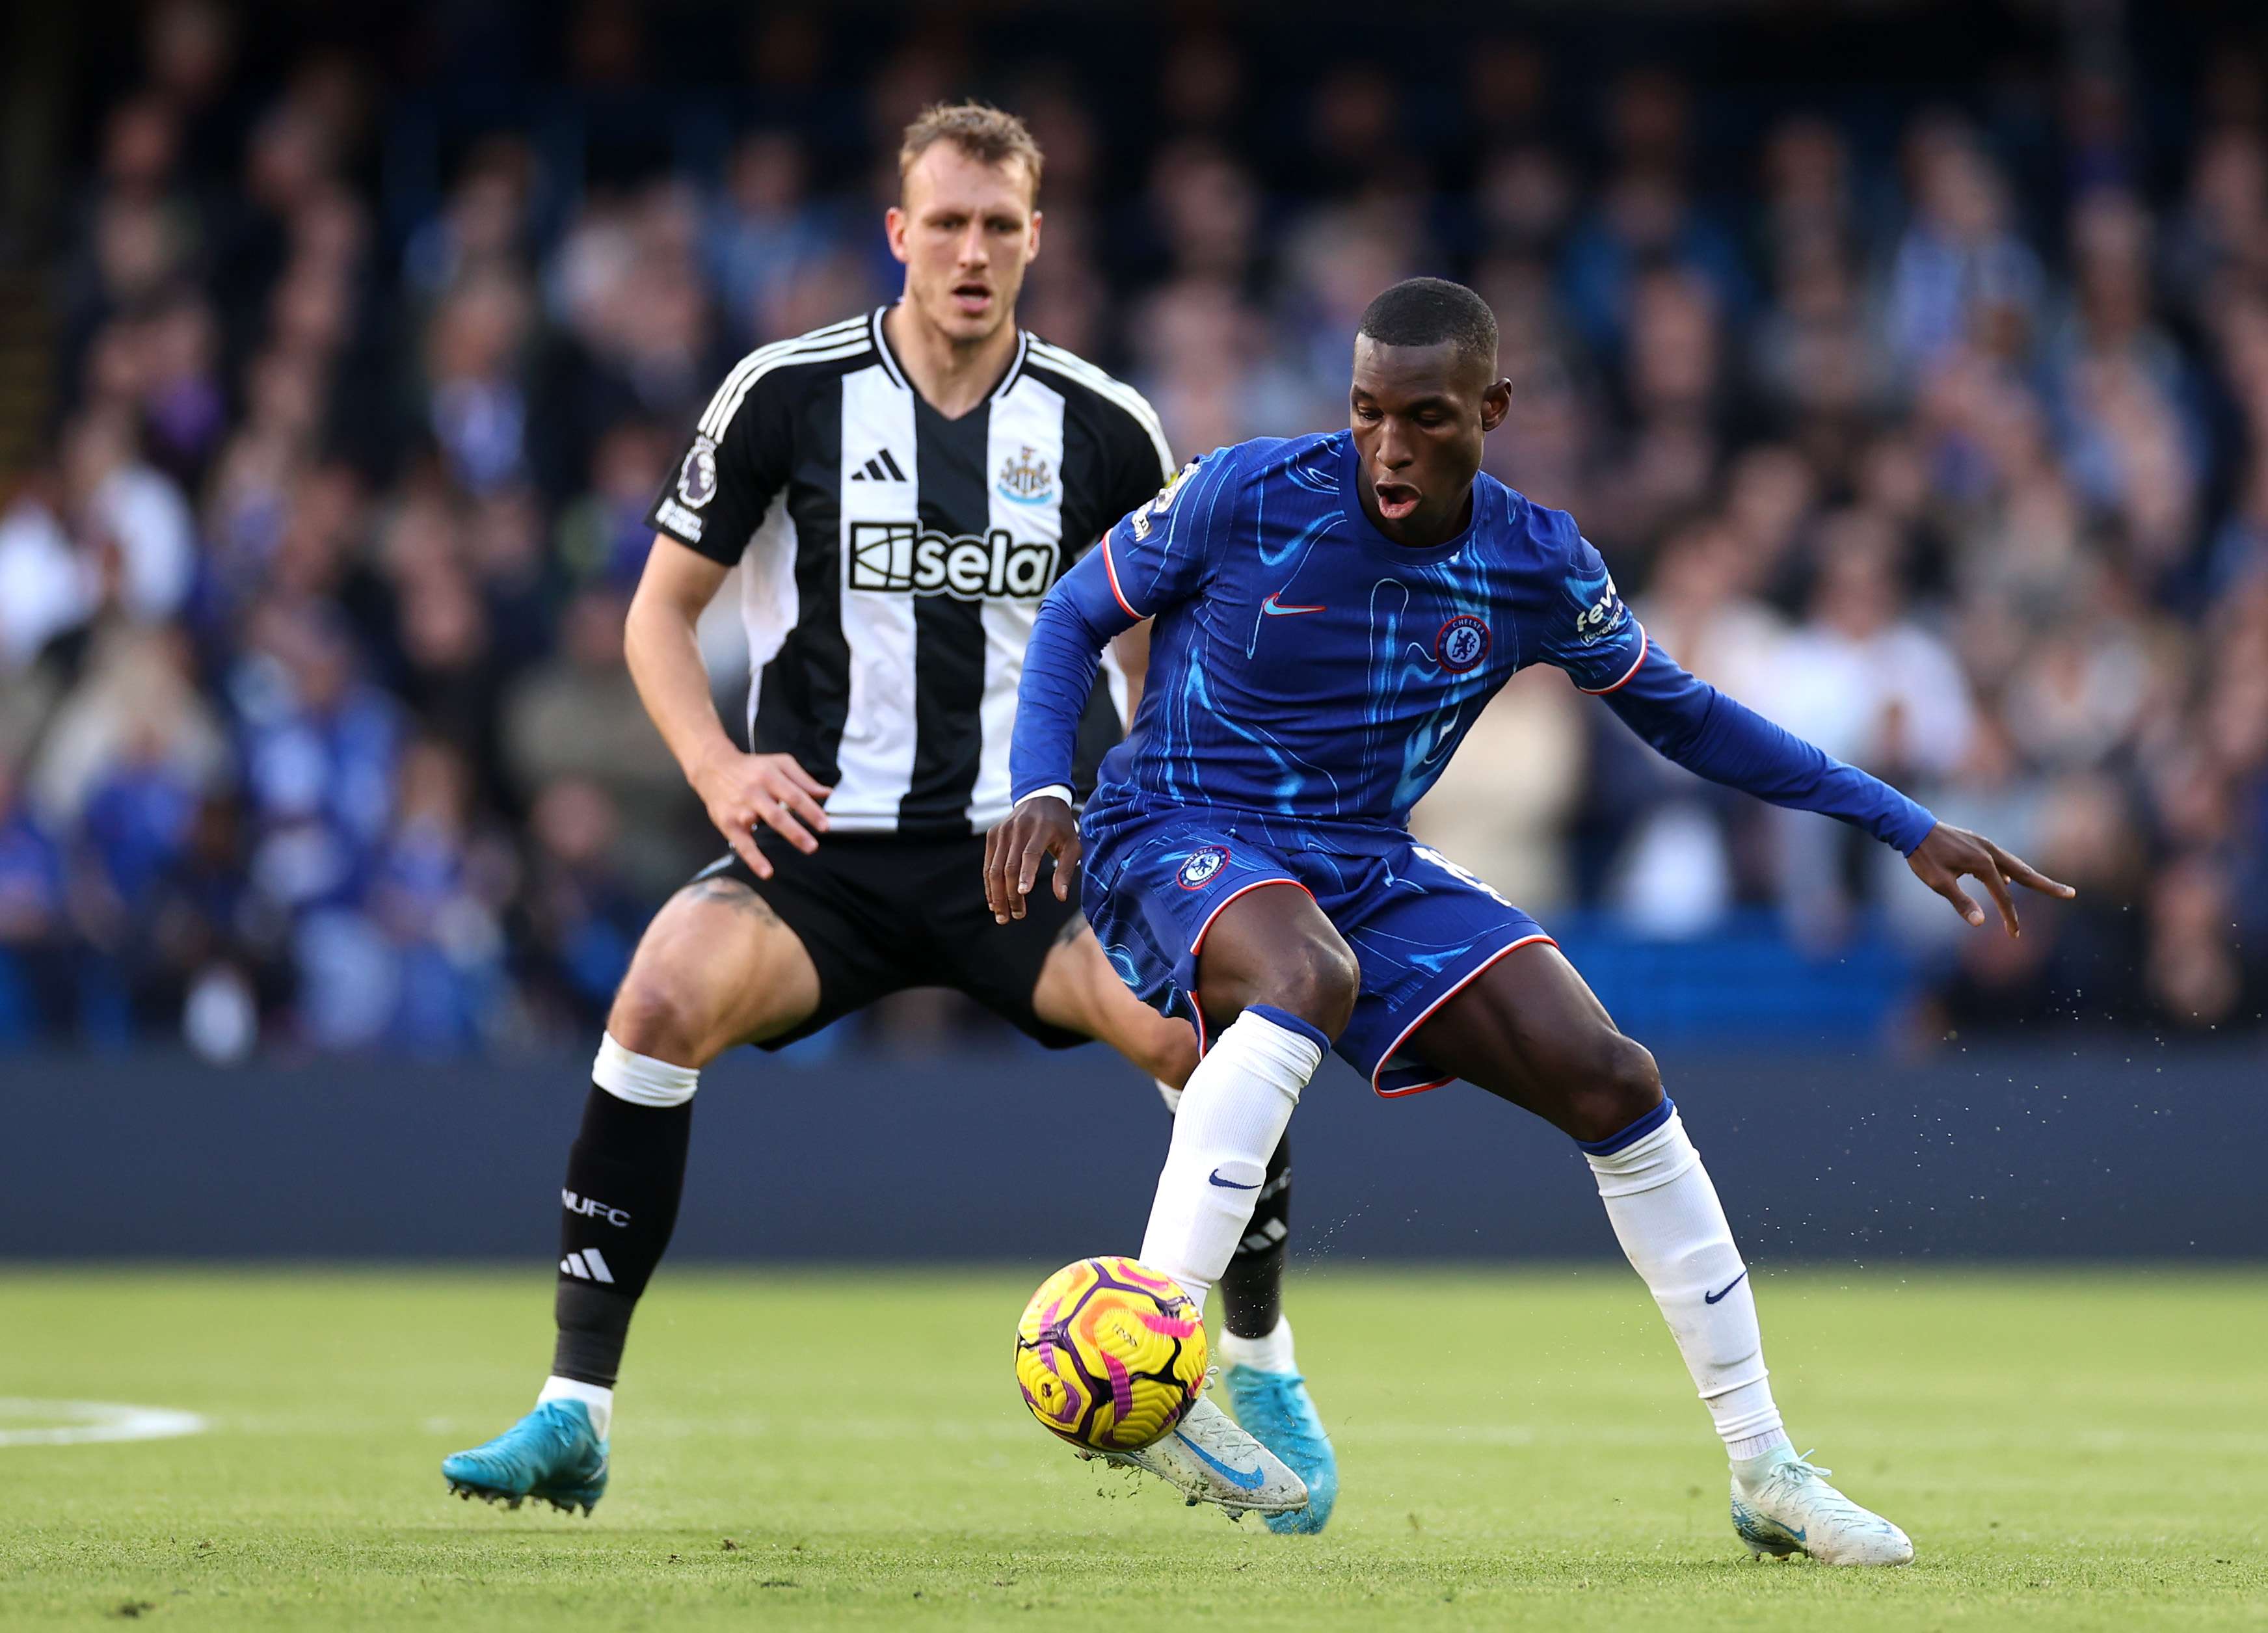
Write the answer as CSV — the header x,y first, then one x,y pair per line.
x,y
879,913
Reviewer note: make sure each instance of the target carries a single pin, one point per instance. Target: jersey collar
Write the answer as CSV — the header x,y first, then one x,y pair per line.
x,y
897,371
1365,533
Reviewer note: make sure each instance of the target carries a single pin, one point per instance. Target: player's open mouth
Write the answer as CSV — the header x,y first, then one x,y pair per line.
x,y
1395,499
973,298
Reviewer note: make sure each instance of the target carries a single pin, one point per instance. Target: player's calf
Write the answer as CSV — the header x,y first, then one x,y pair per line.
x,y
1666,1216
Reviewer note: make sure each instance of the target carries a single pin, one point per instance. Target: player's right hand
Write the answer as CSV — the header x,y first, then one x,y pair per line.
x,y
1950,854
741,791
1043,825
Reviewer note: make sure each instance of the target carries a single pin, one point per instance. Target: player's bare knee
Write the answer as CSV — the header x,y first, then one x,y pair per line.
x,y
1167,1052
1319,985
1617,1084
652,1016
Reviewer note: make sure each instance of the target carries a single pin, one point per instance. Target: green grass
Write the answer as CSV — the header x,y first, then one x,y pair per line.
x,y
2074,1450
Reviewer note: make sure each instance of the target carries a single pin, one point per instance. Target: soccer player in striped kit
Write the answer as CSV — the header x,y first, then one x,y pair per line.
x,y
898,491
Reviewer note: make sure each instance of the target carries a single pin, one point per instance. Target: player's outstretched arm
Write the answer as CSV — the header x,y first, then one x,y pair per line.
x,y
1691,721
1950,854
738,789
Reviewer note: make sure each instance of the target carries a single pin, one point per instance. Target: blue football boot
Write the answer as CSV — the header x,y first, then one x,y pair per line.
x,y
1276,1410
551,1455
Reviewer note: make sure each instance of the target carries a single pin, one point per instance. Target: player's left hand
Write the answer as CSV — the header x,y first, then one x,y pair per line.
x,y
1949,852
1041,827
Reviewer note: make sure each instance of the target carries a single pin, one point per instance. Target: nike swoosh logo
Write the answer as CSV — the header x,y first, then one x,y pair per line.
x,y
1275,608
1231,1185
1236,1477
1735,1282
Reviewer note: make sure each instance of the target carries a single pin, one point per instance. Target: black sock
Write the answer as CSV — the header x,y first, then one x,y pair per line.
x,y
624,1176
1252,1287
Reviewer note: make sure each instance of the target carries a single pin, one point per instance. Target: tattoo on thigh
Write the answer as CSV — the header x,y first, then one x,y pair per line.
x,y
1073,928
733,893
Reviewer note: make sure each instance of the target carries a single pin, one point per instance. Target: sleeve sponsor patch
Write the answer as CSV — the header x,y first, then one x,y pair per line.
x,y
1598,606
679,520
1147,516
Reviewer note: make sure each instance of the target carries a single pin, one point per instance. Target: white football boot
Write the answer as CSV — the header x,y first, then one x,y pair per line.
x,y
1208,1458
1783,1505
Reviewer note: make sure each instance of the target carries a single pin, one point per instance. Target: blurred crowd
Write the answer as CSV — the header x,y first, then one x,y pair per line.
x,y
1948,450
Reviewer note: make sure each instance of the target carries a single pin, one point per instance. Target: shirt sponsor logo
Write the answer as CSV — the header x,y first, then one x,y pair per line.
x,y
899,557
1197,871
697,478
1461,644
680,520
1026,479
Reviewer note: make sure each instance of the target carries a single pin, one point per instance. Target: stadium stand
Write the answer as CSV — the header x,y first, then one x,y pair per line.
x,y
1937,428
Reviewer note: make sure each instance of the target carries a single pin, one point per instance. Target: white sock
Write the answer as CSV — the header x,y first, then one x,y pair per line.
x,y
1667,1216
1272,1354
597,1397
641,1079
1231,1114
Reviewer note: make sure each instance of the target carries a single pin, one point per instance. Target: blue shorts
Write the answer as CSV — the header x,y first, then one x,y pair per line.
x,y
1420,926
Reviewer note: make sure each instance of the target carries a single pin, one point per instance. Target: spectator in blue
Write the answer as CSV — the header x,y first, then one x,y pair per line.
x,y
1961,275
580,914
319,747
134,833
1644,217
764,234
433,899
33,1003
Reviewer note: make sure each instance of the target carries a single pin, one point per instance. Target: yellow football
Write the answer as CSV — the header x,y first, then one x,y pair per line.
x,y
1110,1354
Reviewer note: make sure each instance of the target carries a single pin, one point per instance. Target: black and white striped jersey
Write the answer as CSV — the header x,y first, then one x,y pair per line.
x,y
892,560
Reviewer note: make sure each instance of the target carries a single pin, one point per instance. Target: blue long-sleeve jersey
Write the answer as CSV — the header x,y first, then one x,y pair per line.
x,y
1303,665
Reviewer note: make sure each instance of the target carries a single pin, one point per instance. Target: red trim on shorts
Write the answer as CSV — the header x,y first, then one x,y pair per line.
x,y
1475,973
1205,929
1644,645
1111,568
1414,1088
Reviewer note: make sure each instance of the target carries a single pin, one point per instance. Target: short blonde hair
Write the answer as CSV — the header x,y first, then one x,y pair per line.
x,y
986,134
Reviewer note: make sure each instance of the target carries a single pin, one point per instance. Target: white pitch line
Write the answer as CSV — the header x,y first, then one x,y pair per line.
x,y
79,1422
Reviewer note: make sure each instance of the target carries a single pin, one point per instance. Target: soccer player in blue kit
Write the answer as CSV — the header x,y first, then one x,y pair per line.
x,y
1332,613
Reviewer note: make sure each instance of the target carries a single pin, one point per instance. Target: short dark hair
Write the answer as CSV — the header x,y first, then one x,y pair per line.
x,y
1425,312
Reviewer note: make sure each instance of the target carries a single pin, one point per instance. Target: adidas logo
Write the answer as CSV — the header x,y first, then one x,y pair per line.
x,y
1266,1237
586,1266
881,468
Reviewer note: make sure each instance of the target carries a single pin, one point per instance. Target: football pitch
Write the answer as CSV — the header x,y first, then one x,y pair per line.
x,y
2081,1448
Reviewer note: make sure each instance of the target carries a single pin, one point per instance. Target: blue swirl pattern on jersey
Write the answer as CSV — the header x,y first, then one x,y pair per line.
x,y
1309,680
1304,665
